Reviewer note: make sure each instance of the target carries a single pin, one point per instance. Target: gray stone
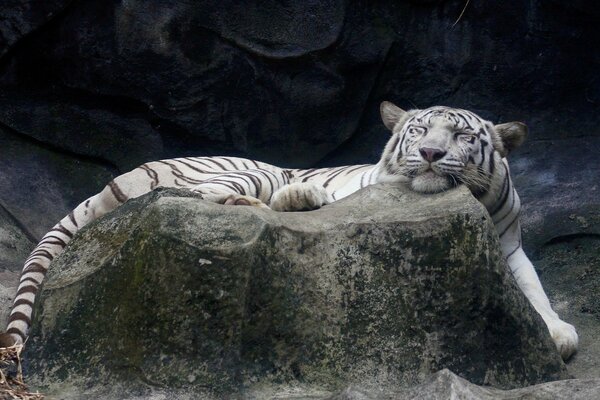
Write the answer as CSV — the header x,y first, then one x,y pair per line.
x,y
15,246
41,184
82,129
20,18
447,385
569,268
380,289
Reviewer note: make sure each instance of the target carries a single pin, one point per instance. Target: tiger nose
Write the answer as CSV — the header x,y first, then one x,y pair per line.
x,y
431,154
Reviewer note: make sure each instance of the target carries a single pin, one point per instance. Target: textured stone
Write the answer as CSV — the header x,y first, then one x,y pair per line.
x,y
41,184
446,385
80,128
382,288
569,268
15,245
19,18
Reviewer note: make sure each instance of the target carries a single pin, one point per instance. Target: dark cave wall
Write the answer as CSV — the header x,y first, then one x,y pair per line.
x,y
90,89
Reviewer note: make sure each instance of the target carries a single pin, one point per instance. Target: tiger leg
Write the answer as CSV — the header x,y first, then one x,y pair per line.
x,y
299,196
563,334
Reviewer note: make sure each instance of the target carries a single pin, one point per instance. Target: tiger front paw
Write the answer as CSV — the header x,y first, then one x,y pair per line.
x,y
565,337
299,196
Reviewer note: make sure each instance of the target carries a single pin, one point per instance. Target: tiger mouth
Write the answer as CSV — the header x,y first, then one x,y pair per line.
x,y
432,181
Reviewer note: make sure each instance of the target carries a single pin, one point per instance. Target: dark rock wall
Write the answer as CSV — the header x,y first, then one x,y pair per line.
x,y
89,89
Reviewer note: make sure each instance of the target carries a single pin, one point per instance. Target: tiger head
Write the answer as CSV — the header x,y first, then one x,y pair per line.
x,y
438,148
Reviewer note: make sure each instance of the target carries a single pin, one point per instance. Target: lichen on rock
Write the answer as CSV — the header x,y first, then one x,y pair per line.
x,y
380,289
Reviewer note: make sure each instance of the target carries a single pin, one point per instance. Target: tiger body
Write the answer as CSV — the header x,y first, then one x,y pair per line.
x,y
431,150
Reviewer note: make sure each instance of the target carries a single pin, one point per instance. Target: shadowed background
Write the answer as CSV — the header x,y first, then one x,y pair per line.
x,y
91,89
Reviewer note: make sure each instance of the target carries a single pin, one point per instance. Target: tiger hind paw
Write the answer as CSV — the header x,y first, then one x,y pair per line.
x,y
242,200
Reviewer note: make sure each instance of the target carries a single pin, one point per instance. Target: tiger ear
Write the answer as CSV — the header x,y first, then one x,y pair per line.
x,y
391,114
512,135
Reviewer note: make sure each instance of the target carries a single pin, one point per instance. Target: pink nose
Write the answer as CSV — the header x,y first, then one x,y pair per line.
x,y
431,154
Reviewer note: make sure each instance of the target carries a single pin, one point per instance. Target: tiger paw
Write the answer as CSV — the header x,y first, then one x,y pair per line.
x,y
242,200
564,336
299,196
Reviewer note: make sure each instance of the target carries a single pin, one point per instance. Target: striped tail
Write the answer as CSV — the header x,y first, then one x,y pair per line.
x,y
36,266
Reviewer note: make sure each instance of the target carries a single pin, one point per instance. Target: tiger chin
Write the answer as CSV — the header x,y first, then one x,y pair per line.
x,y
432,150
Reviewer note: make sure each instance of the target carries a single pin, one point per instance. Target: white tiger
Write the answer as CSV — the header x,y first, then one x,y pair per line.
x,y
432,150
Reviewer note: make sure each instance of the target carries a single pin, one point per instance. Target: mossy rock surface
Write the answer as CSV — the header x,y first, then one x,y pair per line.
x,y
380,289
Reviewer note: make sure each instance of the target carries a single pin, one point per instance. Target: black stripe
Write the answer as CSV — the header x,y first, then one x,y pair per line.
x,y
513,252
504,192
492,166
29,279
72,218
182,176
234,186
41,252
319,172
21,302
60,228
218,164
286,176
116,191
512,204
483,144
58,240
515,219
17,332
152,174
308,171
266,175
34,267
199,161
230,162
459,115
346,169
194,168
19,316
255,181
401,143
27,289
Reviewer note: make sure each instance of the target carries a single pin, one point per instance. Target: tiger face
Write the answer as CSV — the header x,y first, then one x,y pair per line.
x,y
440,147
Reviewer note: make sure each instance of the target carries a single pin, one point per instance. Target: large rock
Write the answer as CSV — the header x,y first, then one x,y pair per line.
x,y
380,289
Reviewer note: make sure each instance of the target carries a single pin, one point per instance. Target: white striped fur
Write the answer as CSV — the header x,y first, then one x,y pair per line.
x,y
432,150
